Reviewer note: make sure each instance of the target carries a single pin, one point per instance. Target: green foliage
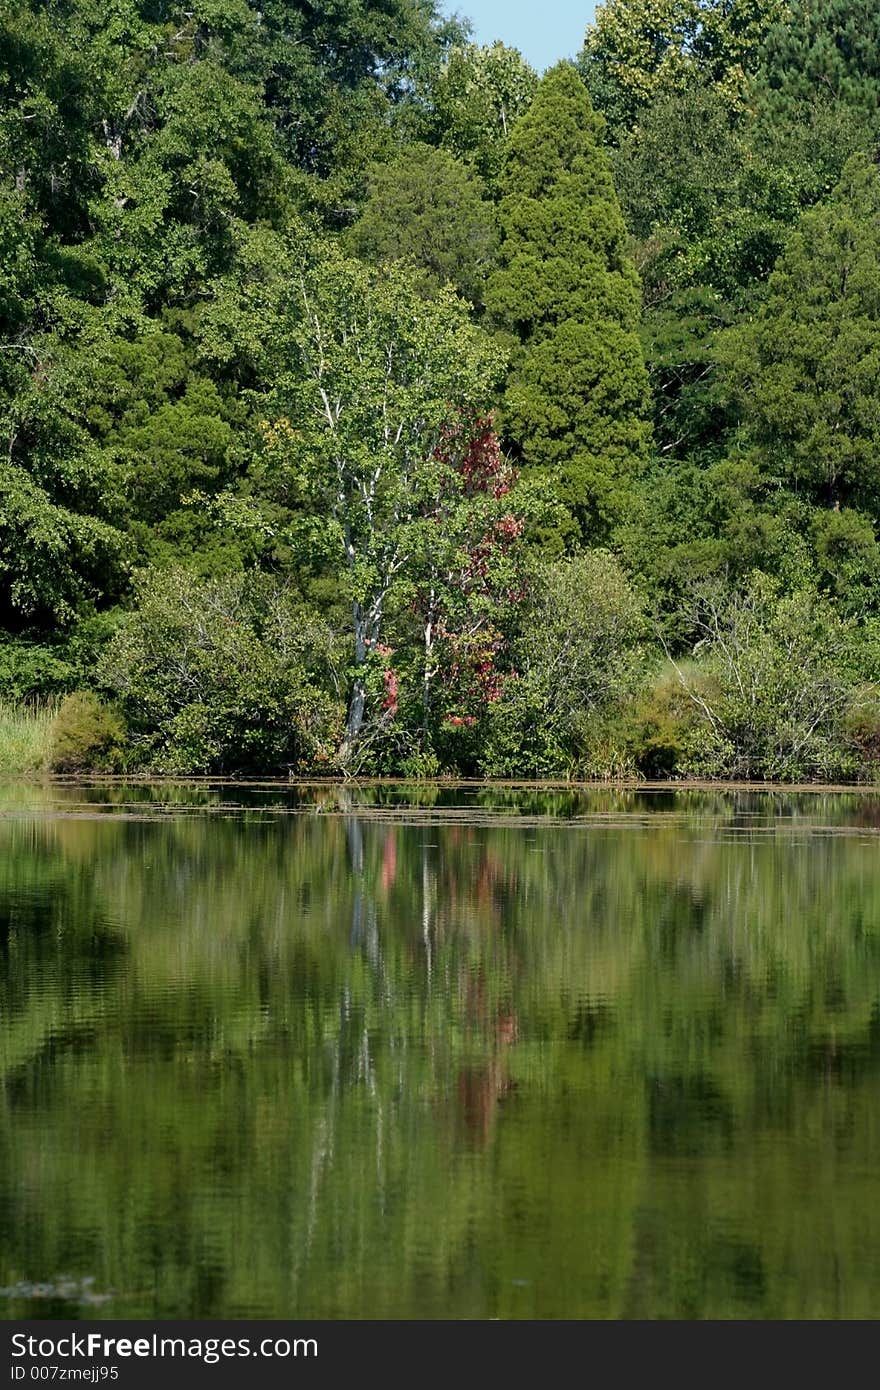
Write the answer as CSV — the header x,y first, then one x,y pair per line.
x,y
847,558
707,205
567,290
31,669
823,53
775,686
166,426
194,370
474,101
559,206
660,726
426,208
575,405
711,204
578,654
87,735
52,558
806,370
217,675
143,155
636,49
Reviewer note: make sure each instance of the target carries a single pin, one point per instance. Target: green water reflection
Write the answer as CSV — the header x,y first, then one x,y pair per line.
x,y
404,1052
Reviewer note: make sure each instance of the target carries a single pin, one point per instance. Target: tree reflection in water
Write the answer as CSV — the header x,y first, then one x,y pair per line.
x,y
439,1054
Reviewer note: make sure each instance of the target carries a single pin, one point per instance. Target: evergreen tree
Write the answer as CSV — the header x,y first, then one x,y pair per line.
x,y
824,52
428,208
807,370
568,292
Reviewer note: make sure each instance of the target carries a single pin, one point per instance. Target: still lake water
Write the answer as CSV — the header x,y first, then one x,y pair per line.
x,y
409,1052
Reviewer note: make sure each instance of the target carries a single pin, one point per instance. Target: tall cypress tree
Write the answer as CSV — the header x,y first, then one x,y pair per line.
x,y
568,294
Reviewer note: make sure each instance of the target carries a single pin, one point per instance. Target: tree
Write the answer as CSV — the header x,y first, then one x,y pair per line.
x,y
806,371
59,546
710,215
636,49
376,377
470,583
568,293
776,678
53,558
427,208
707,208
816,96
222,674
475,99
823,52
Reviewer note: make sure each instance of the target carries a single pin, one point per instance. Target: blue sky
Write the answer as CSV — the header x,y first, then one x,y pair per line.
x,y
543,33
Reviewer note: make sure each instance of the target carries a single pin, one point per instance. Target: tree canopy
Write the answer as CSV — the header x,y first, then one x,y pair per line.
x,y
568,293
326,325
637,49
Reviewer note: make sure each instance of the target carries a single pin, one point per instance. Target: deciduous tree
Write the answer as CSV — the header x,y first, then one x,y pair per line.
x,y
377,378
636,49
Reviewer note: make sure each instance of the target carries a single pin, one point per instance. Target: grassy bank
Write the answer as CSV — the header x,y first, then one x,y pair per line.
x,y
25,732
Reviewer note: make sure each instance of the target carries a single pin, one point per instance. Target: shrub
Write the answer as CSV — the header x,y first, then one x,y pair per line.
x,y
86,734
660,725
31,670
862,728
578,655
223,675
775,685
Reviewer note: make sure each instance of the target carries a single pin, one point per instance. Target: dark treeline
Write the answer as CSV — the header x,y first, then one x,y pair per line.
x,y
371,404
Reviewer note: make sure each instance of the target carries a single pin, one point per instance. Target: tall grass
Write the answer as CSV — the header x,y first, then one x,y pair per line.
x,y
25,736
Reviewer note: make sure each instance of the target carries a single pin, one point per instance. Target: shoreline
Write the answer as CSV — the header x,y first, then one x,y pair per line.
x,y
440,783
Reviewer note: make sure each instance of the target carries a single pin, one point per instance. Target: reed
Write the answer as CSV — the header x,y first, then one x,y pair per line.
x,y
25,737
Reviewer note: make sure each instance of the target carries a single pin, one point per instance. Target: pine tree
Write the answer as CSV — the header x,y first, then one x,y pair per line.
x,y
824,51
568,293
806,371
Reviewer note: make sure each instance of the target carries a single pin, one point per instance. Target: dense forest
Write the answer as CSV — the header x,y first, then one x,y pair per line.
x,y
372,404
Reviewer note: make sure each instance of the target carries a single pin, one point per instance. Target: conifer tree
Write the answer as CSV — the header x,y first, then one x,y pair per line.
x,y
567,292
824,51
806,371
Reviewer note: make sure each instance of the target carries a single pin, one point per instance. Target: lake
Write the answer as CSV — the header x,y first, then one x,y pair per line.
x,y
421,1052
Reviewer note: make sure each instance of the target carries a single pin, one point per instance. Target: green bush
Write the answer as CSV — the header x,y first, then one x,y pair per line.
x,y
223,675
31,670
578,656
776,682
862,729
661,724
86,735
